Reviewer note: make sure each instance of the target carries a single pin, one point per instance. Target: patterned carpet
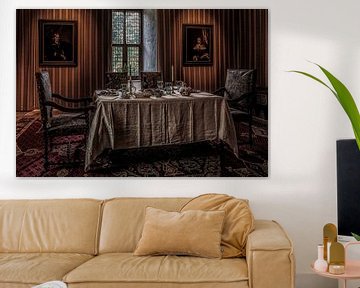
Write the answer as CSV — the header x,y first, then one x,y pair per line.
x,y
191,160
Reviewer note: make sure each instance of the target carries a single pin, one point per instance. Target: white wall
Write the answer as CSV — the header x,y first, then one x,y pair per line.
x,y
305,121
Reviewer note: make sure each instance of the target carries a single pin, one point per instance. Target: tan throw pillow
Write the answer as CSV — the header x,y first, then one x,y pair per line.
x,y
239,220
196,233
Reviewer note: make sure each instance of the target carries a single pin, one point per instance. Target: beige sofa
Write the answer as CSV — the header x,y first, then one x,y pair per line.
x,y
89,243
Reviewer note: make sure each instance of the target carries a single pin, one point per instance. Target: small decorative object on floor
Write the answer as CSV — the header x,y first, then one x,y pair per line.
x,y
52,284
320,264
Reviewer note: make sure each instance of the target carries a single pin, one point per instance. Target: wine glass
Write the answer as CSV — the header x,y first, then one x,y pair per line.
x,y
168,88
160,84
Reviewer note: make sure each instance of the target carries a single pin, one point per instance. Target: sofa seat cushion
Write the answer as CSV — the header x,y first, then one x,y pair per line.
x,y
127,268
36,268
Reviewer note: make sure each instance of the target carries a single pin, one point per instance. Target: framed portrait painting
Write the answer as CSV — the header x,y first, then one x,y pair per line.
x,y
197,45
57,43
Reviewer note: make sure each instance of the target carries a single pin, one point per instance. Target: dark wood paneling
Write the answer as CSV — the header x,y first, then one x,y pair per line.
x,y
74,82
240,41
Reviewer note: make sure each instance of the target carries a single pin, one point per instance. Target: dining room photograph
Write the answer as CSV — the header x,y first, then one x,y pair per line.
x,y
142,93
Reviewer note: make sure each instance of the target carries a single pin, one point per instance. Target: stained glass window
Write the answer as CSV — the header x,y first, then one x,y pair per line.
x,y
127,41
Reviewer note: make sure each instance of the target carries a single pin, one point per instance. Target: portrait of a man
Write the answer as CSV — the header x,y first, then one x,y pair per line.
x,y
57,43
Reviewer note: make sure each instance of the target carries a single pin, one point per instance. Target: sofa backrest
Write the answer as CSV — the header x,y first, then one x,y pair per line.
x,y
67,226
123,220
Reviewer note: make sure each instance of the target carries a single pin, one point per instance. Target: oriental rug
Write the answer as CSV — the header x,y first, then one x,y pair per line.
x,y
192,160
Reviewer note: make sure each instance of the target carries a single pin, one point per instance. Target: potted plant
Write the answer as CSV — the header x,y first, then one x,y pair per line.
x,y
345,99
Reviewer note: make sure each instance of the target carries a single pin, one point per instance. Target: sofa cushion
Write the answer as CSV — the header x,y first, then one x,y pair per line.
x,y
126,268
36,268
193,232
123,220
238,223
63,226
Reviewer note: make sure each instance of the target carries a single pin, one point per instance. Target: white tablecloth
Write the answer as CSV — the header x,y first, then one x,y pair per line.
x,y
174,119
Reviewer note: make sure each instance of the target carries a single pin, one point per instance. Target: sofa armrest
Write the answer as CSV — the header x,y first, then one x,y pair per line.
x,y
269,256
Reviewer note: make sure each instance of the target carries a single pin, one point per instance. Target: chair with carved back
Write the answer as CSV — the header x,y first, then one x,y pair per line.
x,y
113,80
240,93
69,121
149,80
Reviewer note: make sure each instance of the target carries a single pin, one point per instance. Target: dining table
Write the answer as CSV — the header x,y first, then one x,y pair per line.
x,y
139,122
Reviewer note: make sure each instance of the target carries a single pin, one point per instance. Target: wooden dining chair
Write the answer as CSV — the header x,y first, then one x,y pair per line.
x,y
75,121
149,79
240,93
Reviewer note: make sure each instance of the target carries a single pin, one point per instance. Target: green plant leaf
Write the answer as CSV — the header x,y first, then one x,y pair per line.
x,y
344,97
356,236
316,79
347,102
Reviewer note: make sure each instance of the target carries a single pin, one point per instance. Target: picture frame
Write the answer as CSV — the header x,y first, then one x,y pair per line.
x,y
57,43
197,45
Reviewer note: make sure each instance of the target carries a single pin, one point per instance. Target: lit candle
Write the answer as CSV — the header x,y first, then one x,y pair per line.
x,y
172,73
